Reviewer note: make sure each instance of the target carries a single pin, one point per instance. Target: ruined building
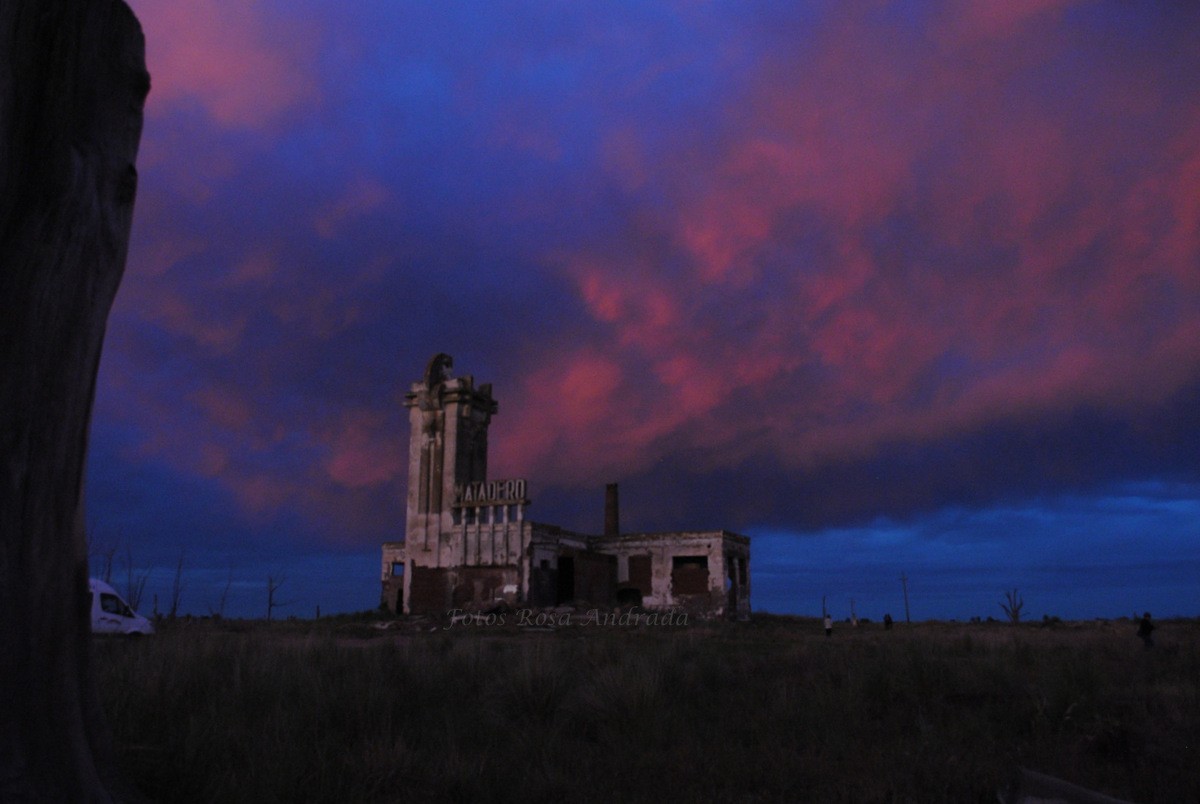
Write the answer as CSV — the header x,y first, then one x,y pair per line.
x,y
469,542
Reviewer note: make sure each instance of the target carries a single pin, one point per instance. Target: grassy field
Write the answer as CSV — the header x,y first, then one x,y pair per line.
x,y
769,710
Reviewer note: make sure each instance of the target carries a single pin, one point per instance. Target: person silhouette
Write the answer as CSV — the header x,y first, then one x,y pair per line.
x,y
1145,629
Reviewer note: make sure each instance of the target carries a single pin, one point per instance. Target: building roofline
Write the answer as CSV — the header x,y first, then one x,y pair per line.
x,y
674,534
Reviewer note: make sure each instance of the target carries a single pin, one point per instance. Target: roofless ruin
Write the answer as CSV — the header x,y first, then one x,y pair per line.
x,y
469,543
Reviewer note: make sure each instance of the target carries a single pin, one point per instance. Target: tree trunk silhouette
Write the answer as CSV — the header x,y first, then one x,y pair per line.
x,y
72,86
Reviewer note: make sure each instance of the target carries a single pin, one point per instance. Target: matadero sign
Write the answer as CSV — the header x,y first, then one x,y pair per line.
x,y
490,492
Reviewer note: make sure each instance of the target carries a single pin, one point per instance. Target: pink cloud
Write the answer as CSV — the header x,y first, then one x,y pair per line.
x,y
258,268
623,157
215,330
968,23
345,467
213,460
243,65
576,403
1041,271
363,451
643,306
362,196
224,407
263,493
886,233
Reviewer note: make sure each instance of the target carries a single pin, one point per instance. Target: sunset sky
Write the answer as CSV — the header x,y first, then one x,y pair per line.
x,y
889,287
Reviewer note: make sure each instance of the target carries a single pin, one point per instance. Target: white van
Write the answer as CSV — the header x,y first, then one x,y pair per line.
x,y
112,615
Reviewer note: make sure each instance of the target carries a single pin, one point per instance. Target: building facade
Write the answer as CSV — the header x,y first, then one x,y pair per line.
x,y
469,543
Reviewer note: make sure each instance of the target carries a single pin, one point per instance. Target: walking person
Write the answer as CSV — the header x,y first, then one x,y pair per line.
x,y
828,625
1145,629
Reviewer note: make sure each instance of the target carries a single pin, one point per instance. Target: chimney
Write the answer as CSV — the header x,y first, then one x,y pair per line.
x,y
612,526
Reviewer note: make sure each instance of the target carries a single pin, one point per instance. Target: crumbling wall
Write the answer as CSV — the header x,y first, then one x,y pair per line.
x,y
696,580
691,570
543,586
392,577
392,595
429,590
737,579
595,578
638,582
479,587
689,575
437,590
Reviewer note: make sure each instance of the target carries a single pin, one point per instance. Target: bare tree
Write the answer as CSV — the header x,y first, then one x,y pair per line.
x,y
1012,606
273,584
72,90
177,586
219,613
108,555
105,552
135,581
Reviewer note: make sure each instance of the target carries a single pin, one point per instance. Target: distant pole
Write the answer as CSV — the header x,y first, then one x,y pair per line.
x,y
823,609
904,583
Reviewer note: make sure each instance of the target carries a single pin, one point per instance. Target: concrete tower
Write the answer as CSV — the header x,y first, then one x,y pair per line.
x,y
447,448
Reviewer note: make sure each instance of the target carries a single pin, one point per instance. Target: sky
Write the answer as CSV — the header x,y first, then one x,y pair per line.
x,y
892,288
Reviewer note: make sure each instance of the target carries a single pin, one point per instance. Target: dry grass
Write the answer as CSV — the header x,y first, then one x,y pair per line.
x,y
764,711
